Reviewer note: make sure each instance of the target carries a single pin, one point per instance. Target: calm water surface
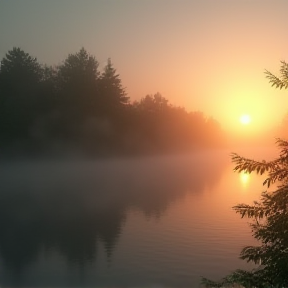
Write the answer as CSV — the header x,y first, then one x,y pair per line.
x,y
145,222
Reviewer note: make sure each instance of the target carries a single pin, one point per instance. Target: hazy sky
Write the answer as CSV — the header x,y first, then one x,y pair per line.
x,y
206,55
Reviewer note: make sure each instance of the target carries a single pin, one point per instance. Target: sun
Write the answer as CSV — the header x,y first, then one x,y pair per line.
x,y
245,119
244,178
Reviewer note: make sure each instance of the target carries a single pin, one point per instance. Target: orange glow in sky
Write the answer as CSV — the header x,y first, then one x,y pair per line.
x,y
201,55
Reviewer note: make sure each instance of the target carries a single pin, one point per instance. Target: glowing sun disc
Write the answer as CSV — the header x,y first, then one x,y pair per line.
x,y
245,119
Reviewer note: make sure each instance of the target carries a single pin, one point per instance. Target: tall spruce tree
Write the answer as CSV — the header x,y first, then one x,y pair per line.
x,y
269,217
112,93
77,83
77,93
20,82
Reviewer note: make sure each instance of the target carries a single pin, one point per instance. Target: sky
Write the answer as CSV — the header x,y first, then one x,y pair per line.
x,y
204,55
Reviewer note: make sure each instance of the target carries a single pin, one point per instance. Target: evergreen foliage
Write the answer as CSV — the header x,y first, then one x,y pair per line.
x,y
77,82
269,218
110,86
75,106
282,81
20,86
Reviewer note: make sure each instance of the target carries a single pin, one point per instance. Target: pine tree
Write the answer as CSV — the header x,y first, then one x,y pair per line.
x,y
112,93
77,83
20,82
269,217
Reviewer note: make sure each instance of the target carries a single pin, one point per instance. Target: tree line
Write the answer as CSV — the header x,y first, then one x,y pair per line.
x,y
76,106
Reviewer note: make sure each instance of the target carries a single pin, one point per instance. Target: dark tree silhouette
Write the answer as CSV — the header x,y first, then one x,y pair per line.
x,y
112,93
77,84
152,103
20,79
75,106
76,90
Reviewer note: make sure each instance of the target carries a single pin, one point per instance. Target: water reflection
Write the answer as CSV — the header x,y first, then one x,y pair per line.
x,y
72,207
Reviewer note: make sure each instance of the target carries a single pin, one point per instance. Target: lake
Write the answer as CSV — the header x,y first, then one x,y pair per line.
x,y
143,222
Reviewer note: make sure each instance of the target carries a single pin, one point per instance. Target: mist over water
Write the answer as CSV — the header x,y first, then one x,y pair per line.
x,y
134,222
116,172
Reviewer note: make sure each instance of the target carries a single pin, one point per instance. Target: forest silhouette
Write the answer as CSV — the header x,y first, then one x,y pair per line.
x,y
74,107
